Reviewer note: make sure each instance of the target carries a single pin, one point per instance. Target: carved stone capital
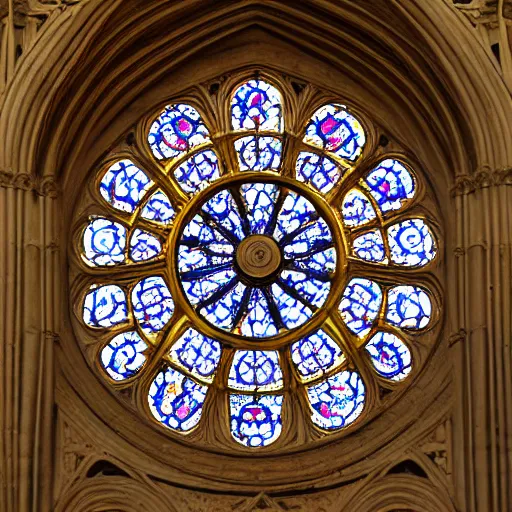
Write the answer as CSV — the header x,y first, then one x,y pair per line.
x,y
483,178
46,186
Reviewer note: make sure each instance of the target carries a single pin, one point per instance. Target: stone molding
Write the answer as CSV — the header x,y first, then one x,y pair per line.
x,y
45,186
484,178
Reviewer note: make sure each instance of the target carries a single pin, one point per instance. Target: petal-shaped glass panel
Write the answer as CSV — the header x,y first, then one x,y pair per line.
x,y
318,171
259,200
105,306
158,209
197,354
176,401
104,243
307,240
333,129
124,355
257,320
197,172
255,421
152,304
293,311
256,105
360,305
408,307
176,130
255,370
411,243
296,212
320,265
370,247
222,212
257,153
357,209
202,284
144,246
223,311
315,355
124,185
338,401
315,292
390,356
391,184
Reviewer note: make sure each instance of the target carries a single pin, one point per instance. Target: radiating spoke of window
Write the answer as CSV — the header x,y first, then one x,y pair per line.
x,y
315,355
158,209
318,171
258,153
370,247
124,185
391,185
197,354
104,243
105,306
292,263
360,305
255,421
390,356
408,307
333,129
411,243
255,370
357,209
256,105
338,401
124,355
198,171
177,130
176,401
152,304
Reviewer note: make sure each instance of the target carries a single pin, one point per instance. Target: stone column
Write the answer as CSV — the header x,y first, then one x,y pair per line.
x,y
28,317
482,344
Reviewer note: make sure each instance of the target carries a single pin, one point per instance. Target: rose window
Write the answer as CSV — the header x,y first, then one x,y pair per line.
x,y
229,259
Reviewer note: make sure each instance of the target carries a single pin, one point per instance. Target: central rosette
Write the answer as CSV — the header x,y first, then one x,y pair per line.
x,y
257,259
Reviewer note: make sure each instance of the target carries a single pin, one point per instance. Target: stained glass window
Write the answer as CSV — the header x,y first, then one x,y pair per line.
x,y
245,263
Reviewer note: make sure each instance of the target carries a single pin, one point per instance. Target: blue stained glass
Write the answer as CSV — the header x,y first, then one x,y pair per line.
x,y
294,214
360,305
320,172
176,401
225,216
259,199
309,239
144,246
197,354
320,264
255,370
256,105
158,209
333,129
255,421
257,320
198,171
390,356
357,209
408,307
124,185
152,304
223,312
200,289
338,401
315,355
370,247
105,306
391,184
124,355
257,153
104,243
411,243
176,130
315,292
293,311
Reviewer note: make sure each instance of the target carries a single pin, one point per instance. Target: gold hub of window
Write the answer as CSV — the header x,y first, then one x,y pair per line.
x,y
258,256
